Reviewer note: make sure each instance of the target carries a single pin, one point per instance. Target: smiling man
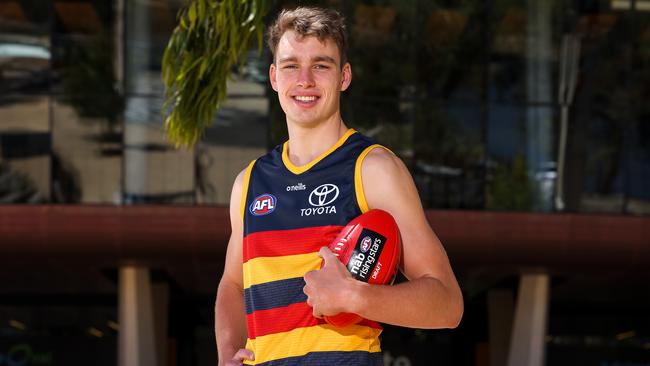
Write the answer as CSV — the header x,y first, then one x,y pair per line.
x,y
289,204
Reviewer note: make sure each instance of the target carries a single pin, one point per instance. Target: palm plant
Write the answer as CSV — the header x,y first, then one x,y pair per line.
x,y
208,42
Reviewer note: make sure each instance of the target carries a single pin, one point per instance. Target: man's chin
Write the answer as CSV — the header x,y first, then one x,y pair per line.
x,y
304,119
306,123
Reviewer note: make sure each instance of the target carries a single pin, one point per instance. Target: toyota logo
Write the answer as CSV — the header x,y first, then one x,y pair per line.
x,y
323,195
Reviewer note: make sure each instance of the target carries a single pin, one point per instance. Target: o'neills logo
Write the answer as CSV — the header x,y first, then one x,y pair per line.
x,y
297,187
321,198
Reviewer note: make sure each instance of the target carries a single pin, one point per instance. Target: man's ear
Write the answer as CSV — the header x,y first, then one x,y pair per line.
x,y
346,76
272,76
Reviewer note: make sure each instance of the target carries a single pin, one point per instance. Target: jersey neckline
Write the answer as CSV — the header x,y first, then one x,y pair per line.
x,y
303,168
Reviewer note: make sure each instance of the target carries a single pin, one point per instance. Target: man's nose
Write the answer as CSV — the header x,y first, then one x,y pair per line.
x,y
306,78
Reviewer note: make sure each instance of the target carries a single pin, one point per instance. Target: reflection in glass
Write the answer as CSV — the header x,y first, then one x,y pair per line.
x,y
372,101
25,149
24,80
154,172
596,148
24,47
87,155
448,155
522,71
238,136
468,93
539,116
148,27
450,46
638,134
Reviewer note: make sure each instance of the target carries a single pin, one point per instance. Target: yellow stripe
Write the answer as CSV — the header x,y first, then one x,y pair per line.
x,y
244,192
267,269
318,338
301,169
358,183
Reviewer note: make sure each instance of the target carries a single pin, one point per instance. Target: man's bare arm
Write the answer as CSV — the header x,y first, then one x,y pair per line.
x,y
230,317
431,298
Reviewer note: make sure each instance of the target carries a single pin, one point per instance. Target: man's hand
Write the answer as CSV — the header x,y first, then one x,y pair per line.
x,y
328,289
240,356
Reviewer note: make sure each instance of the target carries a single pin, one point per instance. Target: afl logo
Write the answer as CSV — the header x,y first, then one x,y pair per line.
x,y
323,195
263,205
365,244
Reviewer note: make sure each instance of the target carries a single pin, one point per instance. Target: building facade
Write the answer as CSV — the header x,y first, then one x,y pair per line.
x,y
525,125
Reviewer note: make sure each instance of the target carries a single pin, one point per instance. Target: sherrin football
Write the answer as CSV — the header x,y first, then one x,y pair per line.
x,y
369,246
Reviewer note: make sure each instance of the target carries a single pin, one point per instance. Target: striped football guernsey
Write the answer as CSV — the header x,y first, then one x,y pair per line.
x,y
289,213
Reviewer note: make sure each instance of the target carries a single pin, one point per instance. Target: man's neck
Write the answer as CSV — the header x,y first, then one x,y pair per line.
x,y
308,143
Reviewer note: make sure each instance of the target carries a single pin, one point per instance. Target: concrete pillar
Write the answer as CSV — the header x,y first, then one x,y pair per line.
x,y
136,342
527,345
501,307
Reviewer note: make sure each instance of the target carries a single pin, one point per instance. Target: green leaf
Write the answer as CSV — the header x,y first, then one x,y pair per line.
x,y
251,18
192,14
202,12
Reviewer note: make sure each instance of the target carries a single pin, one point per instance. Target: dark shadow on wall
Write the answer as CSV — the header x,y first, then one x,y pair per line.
x,y
17,187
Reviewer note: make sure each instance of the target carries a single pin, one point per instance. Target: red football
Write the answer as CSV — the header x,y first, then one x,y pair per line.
x,y
369,246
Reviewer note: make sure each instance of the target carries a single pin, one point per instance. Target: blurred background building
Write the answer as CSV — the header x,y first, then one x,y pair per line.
x,y
525,124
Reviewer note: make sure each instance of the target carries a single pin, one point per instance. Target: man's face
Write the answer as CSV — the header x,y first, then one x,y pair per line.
x,y
308,77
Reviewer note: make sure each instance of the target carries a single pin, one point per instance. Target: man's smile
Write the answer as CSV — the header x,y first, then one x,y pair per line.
x,y
306,100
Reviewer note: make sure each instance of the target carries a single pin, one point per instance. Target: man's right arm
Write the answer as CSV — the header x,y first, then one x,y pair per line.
x,y
230,316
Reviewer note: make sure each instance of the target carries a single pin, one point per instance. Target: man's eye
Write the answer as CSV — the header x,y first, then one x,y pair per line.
x,y
322,67
290,67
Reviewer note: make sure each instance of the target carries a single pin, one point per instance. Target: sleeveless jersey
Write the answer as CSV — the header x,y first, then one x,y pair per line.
x,y
289,213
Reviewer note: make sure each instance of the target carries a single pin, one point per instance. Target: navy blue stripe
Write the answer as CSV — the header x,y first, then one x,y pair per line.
x,y
293,209
274,294
355,358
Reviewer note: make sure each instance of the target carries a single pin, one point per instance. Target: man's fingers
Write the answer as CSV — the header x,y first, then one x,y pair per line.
x,y
244,354
308,276
241,355
327,255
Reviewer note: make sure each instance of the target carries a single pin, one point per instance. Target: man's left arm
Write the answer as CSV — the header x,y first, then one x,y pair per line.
x,y
431,298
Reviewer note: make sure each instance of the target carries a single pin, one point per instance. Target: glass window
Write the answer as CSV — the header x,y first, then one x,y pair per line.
x,y
24,149
601,121
448,154
83,55
87,107
154,171
638,132
25,51
25,57
149,24
450,41
238,136
86,154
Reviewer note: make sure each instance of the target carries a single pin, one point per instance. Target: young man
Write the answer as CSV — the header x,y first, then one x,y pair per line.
x,y
291,203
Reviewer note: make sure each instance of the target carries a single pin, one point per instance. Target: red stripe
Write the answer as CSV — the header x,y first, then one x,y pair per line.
x,y
288,242
370,323
283,319
286,318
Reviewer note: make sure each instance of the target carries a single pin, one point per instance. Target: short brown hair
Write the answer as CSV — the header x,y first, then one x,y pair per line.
x,y
311,21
